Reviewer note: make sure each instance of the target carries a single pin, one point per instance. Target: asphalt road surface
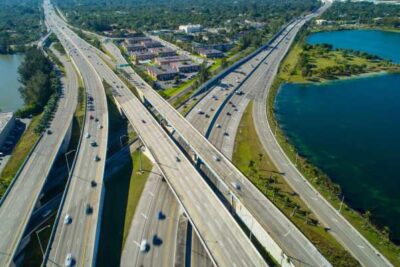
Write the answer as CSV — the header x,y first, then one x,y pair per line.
x,y
18,205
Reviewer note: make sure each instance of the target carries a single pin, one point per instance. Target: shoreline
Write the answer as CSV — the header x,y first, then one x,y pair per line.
x,y
320,180
344,78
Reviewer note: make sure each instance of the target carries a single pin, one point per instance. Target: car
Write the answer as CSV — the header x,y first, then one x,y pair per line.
x,y
211,109
228,113
236,185
93,183
96,158
67,219
87,135
236,109
144,245
96,120
218,125
93,143
100,126
49,131
199,111
1,154
177,159
88,209
143,121
226,134
69,260
207,116
91,117
217,158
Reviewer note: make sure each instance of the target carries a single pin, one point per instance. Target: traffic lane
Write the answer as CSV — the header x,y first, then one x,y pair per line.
x,y
35,171
200,209
131,108
88,170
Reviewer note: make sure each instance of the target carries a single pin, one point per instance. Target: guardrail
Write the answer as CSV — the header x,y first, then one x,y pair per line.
x,y
227,70
57,219
20,170
223,104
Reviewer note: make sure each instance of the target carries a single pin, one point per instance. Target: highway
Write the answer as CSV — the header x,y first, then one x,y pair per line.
x,y
156,220
18,205
341,229
83,195
256,89
195,196
285,234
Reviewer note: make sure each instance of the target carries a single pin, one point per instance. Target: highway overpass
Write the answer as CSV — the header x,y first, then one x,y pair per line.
x,y
222,236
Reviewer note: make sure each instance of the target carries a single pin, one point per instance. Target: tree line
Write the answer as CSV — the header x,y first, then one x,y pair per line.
x,y
39,81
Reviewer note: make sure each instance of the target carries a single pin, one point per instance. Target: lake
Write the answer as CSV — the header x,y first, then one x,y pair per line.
x,y
351,128
10,99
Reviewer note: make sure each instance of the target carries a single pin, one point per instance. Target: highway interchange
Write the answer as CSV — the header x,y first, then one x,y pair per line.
x,y
216,117
17,206
222,247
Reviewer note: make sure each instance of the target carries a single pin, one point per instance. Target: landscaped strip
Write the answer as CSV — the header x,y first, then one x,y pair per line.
x,y
330,191
250,157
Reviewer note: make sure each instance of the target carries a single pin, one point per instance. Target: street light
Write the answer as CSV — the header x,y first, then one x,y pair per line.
x,y
66,159
37,235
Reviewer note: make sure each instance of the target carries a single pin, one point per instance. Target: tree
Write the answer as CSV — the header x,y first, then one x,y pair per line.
x,y
367,216
224,63
204,73
386,233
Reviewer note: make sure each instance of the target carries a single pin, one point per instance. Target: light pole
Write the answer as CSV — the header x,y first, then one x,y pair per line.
x,y
120,138
341,204
37,235
66,159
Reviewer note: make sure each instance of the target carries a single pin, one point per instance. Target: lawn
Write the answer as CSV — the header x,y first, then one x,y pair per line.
x,y
250,157
19,154
123,191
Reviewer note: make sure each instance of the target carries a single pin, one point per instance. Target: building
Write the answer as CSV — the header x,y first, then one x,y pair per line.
x,y
221,46
185,66
321,22
151,44
168,60
163,73
163,51
7,122
210,53
137,40
190,28
133,47
142,55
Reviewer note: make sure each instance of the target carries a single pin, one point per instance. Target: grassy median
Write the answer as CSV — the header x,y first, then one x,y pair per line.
x,y
250,157
123,191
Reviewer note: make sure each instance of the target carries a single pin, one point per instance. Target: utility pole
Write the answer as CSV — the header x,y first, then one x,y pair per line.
x,y
341,204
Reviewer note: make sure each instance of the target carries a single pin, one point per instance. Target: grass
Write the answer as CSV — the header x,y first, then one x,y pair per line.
x,y
170,92
123,191
19,154
136,186
319,179
320,60
250,157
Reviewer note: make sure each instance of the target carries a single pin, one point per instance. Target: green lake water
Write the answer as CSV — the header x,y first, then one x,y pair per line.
x,y
10,99
351,129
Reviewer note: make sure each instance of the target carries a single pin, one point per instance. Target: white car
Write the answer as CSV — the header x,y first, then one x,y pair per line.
x,y
69,261
144,245
87,135
216,158
236,185
67,219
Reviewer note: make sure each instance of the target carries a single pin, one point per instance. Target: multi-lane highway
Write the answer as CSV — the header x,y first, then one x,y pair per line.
x,y
18,205
77,226
256,89
223,238
156,220
294,244
344,232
